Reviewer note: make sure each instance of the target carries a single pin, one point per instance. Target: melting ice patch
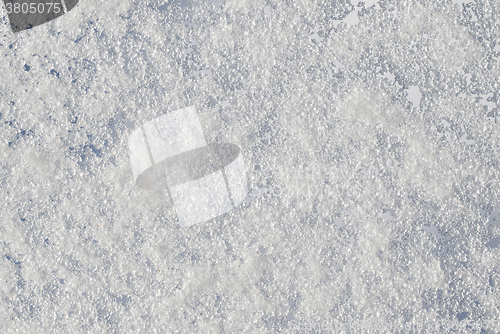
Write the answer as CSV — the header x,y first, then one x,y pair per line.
x,y
414,96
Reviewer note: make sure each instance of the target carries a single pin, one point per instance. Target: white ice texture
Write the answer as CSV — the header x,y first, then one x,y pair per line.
x,y
369,132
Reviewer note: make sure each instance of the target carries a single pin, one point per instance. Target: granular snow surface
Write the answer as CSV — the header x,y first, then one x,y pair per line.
x,y
370,135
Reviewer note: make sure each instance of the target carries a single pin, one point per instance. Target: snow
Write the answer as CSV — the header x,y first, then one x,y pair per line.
x,y
369,135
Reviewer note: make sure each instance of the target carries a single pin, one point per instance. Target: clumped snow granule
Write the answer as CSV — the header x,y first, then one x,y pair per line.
x,y
370,135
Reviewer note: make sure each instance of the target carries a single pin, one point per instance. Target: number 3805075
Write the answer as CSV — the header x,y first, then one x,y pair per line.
x,y
32,8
